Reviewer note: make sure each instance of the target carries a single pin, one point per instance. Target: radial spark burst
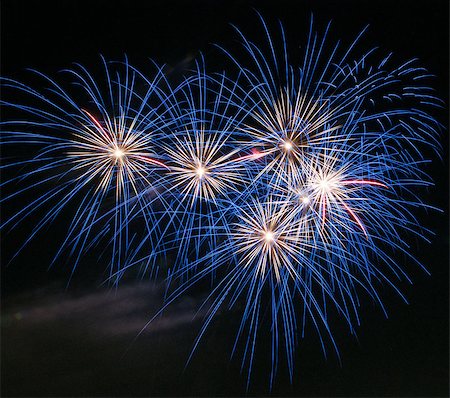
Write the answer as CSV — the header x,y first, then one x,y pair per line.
x,y
94,149
292,182
206,169
334,180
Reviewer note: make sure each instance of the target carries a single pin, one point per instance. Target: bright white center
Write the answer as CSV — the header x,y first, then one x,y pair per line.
x,y
118,153
287,145
268,236
325,185
200,172
305,200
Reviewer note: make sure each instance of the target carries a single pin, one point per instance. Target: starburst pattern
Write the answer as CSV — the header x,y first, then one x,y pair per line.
x,y
292,184
334,178
81,157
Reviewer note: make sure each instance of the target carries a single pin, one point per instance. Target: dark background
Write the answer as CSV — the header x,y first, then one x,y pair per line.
x,y
76,341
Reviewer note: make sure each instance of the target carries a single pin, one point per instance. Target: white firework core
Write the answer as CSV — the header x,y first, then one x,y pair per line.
x,y
118,153
268,236
200,172
287,145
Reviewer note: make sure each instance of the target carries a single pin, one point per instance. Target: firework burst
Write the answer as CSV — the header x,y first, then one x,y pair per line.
x,y
206,169
96,146
333,178
293,185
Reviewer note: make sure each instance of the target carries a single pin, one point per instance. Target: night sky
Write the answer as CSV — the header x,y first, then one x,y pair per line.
x,y
78,340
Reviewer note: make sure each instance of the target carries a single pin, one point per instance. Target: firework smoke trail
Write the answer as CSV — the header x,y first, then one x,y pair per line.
x,y
97,150
333,189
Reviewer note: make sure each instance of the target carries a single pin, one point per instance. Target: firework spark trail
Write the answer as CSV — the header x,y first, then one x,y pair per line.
x,y
292,185
206,169
335,165
87,155
293,112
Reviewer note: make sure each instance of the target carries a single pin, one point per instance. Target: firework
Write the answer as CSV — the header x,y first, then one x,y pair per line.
x,y
94,149
291,184
333,179
206,170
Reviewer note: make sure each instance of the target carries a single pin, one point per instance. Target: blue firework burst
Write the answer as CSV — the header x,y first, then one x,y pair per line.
x,y
292,184
95,151
337,161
